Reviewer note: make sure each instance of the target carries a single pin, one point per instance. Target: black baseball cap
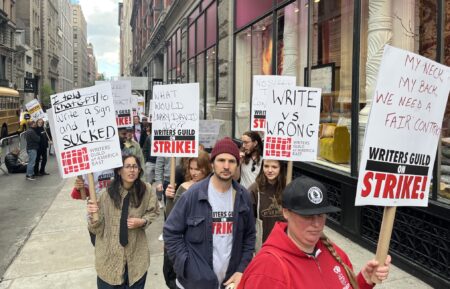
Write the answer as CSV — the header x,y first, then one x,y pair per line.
x,y
306,196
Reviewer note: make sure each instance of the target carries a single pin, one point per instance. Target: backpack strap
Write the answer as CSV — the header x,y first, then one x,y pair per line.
x,y
283,267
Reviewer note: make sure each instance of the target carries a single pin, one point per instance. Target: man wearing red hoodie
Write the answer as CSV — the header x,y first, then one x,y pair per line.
x,y
298,255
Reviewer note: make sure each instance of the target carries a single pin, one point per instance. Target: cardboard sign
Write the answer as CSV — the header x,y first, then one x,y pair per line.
x,y
51,123
175,120
101,179
209,132
35,110
403,130
292,124
85,130
141,105
123,101
262,88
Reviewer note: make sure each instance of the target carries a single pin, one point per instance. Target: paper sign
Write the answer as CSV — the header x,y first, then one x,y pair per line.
x,y
140,105
175,120
292,124
85,130
101,179
403,130
209,132
123,102
262,87
51,123
35,110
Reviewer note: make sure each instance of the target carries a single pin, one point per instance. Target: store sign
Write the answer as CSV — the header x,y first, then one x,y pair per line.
x,y
175,119
29,85
403,130
85,130
262,88
292,124
35,110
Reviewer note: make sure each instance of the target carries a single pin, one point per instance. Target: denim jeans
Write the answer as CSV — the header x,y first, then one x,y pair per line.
x,y
31,161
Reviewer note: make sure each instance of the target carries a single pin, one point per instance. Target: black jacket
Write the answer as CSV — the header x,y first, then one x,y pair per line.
x,y
12,162
44,138
33,139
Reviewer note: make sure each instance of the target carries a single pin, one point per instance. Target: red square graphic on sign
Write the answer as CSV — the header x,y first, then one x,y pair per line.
x,y
75,160
278,146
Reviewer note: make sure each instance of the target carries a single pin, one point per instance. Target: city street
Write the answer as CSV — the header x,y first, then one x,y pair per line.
x,y
58,254
22,205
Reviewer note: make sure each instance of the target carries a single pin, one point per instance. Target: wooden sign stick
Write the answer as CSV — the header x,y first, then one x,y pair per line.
x,y
172,171
92,195
385,237
82,190
289,172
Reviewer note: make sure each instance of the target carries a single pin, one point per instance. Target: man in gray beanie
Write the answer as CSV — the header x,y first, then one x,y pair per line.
x,y
210,233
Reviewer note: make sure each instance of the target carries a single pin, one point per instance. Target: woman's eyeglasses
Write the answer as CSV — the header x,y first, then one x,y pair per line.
x,y
131,167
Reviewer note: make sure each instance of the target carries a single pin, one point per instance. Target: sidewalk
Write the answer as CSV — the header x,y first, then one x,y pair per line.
x,y
58,253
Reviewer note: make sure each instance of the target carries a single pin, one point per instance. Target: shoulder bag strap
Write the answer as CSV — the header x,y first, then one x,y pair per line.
x,y
283,267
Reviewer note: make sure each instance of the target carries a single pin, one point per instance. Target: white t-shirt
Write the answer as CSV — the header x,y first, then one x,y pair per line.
x,y
222,217
247,176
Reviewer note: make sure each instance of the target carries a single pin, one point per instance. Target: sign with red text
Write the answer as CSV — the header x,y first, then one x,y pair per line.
x,y
262,87
292,124
35,110
123,101
175,120
403,130
85,130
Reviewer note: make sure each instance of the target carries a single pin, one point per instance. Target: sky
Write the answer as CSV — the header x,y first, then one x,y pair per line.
x,y
103,32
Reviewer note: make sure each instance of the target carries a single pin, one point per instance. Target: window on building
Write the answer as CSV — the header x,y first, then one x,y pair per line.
x,y
211,83
28,60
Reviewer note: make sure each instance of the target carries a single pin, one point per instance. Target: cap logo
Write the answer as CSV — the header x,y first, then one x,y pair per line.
x,y
315,195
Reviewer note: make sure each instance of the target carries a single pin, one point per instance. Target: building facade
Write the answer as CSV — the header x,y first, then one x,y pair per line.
x,y
222,44
51,42
92,64
126,42
80,57
65,68
7,43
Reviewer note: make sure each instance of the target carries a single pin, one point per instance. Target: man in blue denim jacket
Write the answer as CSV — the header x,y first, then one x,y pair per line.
x,y
210,233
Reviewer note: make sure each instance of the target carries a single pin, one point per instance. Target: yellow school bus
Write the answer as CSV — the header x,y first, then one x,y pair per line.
x,y
9,111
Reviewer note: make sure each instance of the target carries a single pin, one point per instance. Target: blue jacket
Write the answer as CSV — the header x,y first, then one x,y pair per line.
x,y
189,241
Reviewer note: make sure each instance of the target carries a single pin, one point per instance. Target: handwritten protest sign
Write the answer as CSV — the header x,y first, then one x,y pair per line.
x,y
209,132
292,124
85,130
403,130
175,120
35,110
123,101
262,87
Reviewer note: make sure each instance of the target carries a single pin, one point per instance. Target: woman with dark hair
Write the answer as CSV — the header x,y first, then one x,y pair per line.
x,y
251,157
125,209
266,193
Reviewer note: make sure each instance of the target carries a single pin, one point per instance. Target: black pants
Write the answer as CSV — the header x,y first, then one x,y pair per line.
x,y
18,170
40,157
169,273
140,284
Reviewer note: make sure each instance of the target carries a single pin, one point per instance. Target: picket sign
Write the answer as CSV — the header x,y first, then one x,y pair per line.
x,y
123,101
261,89
35,110
92,195
402,136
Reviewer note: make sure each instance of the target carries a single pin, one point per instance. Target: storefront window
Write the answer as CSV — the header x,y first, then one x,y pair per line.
x,y
444,187
254,48
249,10
191,68
243,77
331,70
210,83
201,80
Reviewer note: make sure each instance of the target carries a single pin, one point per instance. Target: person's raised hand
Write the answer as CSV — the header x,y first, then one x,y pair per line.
x,y
372,268
170,191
